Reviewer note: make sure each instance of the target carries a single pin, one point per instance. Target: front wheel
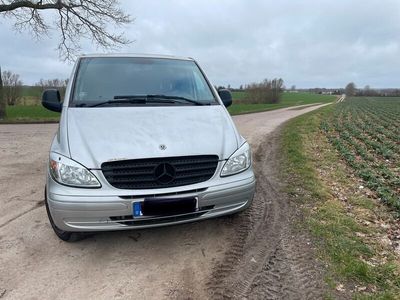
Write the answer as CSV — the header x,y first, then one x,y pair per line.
x,y
66,236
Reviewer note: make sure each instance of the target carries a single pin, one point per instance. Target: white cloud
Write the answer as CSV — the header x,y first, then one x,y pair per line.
x,y
307,43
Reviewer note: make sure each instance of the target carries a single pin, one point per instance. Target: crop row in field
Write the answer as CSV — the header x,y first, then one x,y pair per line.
x,y
366,132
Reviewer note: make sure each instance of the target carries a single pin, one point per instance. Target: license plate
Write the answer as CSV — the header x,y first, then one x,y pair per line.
x,y
137,209
164,206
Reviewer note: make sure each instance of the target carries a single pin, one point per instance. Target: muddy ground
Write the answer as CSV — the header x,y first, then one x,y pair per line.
x,y
255,254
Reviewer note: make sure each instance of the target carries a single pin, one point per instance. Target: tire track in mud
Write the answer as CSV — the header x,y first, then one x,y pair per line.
x,y
268,259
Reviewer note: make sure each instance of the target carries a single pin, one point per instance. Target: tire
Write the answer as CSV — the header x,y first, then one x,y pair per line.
x,y
66,236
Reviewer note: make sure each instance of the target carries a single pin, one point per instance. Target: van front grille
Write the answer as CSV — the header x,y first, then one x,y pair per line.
x,y
152,173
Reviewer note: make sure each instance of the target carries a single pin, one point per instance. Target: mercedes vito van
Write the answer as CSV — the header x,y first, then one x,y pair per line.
x,y
143,141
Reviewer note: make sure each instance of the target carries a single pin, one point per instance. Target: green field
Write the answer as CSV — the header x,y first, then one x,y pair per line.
x,y
287,100
30,113
366,133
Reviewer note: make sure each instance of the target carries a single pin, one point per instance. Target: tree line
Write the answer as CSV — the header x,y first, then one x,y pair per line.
x,y
266,91
352,90
11,89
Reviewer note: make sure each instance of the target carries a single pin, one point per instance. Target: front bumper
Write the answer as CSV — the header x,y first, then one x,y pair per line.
x,y
96,211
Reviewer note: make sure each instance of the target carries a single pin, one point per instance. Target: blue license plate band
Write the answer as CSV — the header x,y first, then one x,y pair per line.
x,y
137,209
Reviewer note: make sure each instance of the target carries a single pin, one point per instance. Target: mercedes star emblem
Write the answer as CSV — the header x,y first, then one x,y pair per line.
x,y
164,173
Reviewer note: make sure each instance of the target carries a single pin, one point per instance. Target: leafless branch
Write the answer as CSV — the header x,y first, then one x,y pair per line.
x,y
74,19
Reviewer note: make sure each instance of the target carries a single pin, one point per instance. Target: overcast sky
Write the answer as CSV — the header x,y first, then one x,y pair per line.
x,y
307,43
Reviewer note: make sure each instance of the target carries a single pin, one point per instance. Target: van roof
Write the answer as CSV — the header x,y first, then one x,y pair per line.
x,y
137,55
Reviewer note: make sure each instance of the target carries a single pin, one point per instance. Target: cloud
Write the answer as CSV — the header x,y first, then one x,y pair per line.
x,y
307,43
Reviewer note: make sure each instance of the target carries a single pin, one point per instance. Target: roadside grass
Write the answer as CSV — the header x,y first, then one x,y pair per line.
x,y
288,99
348,226
30,113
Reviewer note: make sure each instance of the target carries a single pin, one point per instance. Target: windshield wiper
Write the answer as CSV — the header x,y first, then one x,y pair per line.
x,y
158,98
175,98
143,99
121,100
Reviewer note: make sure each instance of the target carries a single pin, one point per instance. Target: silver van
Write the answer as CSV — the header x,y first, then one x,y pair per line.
x,y
143,141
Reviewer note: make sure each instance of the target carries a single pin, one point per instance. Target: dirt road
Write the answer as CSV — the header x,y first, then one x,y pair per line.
x,y
255,254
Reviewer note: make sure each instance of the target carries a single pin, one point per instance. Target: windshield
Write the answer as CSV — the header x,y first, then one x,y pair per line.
x,y
103,79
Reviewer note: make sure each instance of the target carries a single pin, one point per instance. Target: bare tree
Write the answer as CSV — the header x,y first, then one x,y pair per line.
x,y
350,89
268,91
56,83
2,100
74,19
276,89
52,83
11,87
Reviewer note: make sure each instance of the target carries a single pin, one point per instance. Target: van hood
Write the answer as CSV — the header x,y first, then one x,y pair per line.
x,y
97,135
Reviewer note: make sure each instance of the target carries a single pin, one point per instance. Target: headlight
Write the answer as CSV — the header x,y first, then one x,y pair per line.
x,y
68,172
238,162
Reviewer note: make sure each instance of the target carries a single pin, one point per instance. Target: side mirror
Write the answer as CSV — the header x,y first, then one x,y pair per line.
x,y
226,97
51,100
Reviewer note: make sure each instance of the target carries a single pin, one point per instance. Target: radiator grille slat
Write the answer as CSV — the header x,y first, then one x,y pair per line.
x,y
162,172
